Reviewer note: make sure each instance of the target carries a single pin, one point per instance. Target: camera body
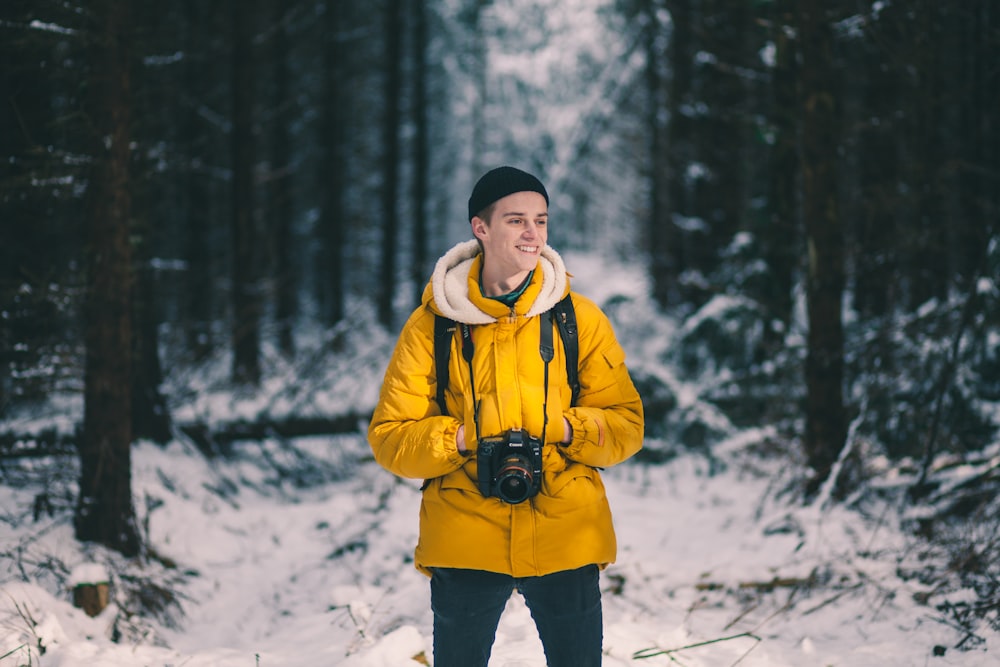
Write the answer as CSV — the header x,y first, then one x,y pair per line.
x,y
510,466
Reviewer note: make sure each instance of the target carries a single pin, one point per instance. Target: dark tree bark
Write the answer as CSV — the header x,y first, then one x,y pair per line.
x,y
104,512
781,240
825,415
421,150
680,153
979,131
390,161
724,31
476,52
877,235
150,414
279,190
661,235
333,175
926,264
245,291
197,300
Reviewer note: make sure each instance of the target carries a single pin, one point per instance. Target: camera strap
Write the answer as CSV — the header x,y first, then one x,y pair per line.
x,y
564,317
467,351
546,350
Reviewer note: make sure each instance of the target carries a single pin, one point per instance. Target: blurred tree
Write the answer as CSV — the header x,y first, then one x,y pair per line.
x,y
664,119
279,177
421,149
105,513
246,292
781,240
471,16
155,222
392,105
875,161
41,170
725,67
680,161
333,178
201,155
826,427
150,414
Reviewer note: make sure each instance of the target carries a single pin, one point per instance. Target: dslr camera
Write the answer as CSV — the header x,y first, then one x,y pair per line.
x,y
510,466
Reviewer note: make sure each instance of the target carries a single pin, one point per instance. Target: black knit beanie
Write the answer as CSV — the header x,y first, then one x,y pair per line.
x,y
500,182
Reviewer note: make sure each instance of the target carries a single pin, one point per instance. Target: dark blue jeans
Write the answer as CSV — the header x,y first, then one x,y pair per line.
x,y
566,608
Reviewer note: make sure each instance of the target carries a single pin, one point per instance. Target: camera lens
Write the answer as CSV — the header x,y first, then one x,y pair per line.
x,y
514,479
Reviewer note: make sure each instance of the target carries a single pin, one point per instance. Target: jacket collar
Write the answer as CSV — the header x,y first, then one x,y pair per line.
x,y
454,286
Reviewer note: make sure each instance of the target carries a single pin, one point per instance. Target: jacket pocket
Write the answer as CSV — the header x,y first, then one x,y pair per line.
x,y
614,355
460,479
583,478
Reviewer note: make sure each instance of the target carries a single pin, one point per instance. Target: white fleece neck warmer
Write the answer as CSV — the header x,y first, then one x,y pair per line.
x,y
450,286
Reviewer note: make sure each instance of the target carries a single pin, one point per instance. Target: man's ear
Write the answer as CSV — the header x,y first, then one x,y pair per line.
x,y
478,227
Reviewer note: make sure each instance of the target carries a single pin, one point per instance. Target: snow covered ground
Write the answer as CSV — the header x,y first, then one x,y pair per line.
x,y
299,552
271,573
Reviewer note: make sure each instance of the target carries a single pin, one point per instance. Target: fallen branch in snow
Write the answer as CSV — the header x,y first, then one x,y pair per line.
x,y
656,650
12,651
215,438
778,582
211,439
763,586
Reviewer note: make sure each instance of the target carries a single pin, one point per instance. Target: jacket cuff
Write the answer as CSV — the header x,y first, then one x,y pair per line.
x,y
584,431
450,441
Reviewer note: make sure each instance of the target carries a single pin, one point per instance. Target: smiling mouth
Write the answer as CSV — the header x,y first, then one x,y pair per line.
x,y
528,248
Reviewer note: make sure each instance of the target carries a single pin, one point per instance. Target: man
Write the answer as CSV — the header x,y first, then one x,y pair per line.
x,y
546,534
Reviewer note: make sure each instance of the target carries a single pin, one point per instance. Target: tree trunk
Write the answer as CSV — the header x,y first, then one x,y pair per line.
x,y
662,237
878,235
390,160
680,150
198,280
825,418
333,285
928,270
477,53
104,512
979,132
781,238
724,29
150,414
246,292
421,151
280,204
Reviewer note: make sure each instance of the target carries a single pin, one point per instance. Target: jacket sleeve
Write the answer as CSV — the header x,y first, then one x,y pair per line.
x,y
408,435
608,420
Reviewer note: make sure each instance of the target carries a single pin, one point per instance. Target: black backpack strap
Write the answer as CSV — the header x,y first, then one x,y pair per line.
x,y
565,317
444,331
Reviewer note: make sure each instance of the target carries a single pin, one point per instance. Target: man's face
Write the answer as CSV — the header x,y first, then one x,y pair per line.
x,y
514,237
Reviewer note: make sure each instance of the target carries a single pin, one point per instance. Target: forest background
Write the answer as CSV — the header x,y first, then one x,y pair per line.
x,y
205,181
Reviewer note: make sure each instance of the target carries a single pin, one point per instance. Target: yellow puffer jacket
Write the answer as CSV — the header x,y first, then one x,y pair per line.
x,y
568,524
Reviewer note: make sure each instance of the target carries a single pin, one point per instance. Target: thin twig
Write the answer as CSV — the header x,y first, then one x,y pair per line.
x,y
833,599
741,616
655,651
12,652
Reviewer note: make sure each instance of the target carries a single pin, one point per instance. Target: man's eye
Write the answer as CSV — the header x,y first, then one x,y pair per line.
x,y
542,223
